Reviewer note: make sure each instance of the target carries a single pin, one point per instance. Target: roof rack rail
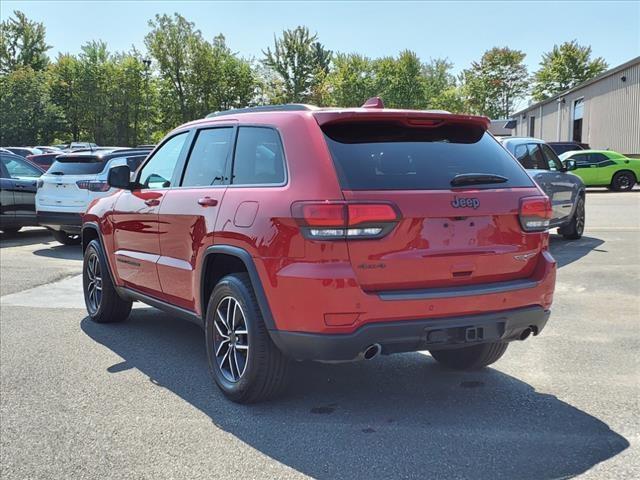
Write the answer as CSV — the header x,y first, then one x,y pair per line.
x,y
287,107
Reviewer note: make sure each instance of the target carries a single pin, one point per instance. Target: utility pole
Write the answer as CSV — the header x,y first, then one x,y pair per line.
x,y
147,71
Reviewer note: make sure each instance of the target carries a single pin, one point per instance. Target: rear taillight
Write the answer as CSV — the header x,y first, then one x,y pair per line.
x,y
340,220
93,185
535,213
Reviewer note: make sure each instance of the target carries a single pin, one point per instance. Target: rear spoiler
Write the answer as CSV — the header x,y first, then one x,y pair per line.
x,y
411,118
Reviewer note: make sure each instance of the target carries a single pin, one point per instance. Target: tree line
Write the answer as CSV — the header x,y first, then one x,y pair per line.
x,y
134,97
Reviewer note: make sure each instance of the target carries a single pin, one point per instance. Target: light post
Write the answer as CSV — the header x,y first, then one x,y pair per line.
x,y
147,70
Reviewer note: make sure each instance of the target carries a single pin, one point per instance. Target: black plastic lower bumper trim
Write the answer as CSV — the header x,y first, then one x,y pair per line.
x,y
65,221
413,335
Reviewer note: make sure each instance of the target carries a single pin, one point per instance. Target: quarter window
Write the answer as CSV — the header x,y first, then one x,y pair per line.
x,y
552,159
208,159
259,158
158,171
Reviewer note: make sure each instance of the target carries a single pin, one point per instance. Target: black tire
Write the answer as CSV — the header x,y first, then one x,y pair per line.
x,y
10,230
575,228
470,358
107,306
263,373
623,181
66,238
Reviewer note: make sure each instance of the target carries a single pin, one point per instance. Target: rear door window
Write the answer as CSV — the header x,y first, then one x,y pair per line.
x,y
259,158
208,158
391,156
20,169
77,165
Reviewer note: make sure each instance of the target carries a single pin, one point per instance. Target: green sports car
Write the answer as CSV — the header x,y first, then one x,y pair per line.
x,y
604,168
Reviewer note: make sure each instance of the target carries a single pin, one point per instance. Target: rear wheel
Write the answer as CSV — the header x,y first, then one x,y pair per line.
x,y
575,228
623,181
66,238
103,303
470,358
243,360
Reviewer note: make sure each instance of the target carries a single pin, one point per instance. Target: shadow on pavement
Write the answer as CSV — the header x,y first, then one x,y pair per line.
x,y
394,417
26,237
67,252
568,251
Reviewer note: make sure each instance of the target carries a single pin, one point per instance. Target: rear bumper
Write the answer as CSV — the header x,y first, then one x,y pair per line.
x,y
67,222
413,335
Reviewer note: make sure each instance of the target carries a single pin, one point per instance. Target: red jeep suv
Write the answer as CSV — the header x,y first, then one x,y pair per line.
x,y
300,233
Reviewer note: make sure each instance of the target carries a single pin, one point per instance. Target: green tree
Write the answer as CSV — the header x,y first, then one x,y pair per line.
x,y
351,80
22,44
494,84
564,67
27,115
173,42
300,62
400,82
441,89
65,85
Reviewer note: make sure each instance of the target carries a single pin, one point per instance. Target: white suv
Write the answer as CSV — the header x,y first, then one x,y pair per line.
x,y
72,182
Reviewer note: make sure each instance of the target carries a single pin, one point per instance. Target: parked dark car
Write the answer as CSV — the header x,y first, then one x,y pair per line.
x,y
24,151
561,147
566,190
44,160
18,180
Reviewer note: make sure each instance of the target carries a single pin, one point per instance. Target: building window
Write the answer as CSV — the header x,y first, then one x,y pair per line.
x,y
578,110
532,126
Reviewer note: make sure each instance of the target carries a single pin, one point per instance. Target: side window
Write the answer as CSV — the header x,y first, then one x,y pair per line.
x,y
536,160
522,154
595,158
208,158
259,158
134,162
582,159
552,159
158,171
20,169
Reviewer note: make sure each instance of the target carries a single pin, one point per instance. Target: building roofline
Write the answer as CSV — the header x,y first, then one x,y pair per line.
x,y
608,73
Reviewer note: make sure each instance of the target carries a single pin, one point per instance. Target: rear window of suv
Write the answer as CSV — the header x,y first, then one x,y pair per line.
x,y
391,156
77,165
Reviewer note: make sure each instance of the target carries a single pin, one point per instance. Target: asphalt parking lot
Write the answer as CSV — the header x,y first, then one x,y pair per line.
x,y
81,400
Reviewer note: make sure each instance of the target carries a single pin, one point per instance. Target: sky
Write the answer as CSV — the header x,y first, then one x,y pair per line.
x,y
458,31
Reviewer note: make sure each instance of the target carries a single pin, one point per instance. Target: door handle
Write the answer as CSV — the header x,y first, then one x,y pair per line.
x,y
152,202
207,202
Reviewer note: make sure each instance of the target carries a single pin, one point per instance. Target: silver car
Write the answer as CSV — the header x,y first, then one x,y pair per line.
x,y
566,190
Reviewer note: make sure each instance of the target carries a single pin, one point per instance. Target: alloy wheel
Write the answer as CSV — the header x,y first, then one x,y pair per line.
x,y
231,339
94,283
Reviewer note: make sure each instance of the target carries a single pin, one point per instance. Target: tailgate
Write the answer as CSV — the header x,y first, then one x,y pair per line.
x,y
438,243
63,191
457,190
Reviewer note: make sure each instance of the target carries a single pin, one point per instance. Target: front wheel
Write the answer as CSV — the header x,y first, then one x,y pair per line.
x,y
66,238
623,181
575,228
243,360
470,358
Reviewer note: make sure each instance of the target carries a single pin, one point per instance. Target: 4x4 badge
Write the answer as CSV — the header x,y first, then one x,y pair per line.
x,y
465,203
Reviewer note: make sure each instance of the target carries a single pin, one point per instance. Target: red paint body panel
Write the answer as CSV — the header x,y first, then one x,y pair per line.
x,y
327,286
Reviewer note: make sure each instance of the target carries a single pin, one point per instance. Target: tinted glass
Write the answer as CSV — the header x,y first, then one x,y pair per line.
x,y
522,154
536,160
158,171
259,158
552,159
135,161
597,158
208,158
390,156
20,169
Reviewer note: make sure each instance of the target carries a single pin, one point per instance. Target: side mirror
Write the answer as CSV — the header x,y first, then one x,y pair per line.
x,y
120,177
570,165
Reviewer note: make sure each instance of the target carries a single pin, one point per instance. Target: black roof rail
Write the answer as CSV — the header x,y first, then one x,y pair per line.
x,y
287,107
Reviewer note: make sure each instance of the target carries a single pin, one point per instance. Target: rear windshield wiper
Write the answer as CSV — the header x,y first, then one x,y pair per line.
x,y
477,179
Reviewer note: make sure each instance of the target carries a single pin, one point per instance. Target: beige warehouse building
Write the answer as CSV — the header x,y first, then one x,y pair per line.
x,y
603,112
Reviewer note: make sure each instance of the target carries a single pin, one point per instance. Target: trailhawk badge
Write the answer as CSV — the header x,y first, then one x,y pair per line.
x,y
465,203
